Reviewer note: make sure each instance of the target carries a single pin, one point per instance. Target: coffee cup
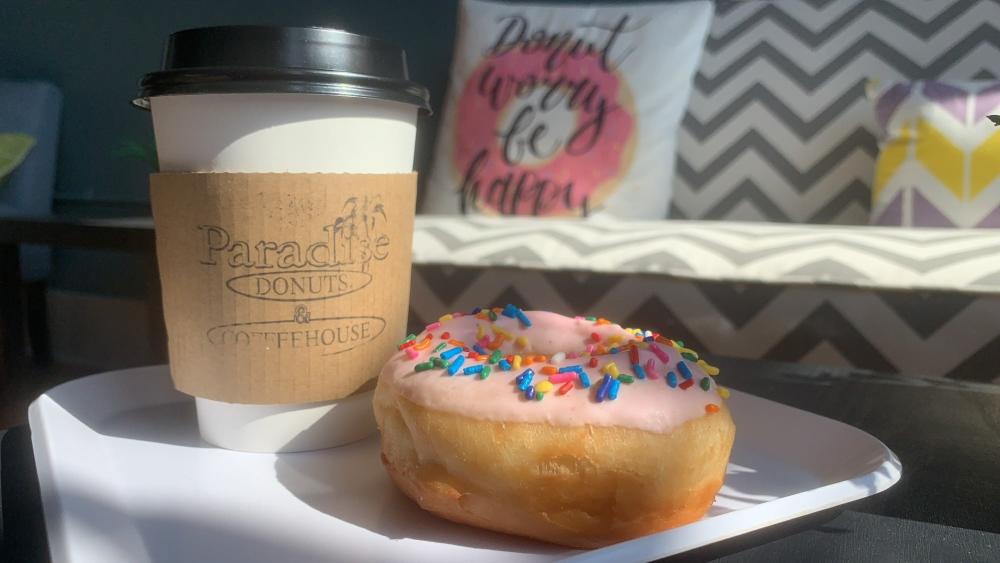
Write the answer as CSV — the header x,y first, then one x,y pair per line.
x,y
242,110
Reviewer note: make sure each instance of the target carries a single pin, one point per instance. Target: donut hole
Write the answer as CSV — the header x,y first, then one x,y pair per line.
x,y
575,343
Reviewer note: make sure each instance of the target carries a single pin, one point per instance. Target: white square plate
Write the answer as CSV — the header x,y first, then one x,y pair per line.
x,y
124,476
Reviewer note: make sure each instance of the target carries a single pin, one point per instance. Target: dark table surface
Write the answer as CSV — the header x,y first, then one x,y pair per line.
x,y
125,234
946,507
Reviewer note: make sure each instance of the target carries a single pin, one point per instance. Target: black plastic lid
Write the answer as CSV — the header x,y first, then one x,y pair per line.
x,y
271,59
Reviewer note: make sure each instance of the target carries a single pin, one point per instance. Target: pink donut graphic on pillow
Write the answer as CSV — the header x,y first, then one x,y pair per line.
x,y
543,139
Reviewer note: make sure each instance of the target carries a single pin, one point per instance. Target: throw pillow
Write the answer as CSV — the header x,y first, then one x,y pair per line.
x,y
939,161
14,147
565,110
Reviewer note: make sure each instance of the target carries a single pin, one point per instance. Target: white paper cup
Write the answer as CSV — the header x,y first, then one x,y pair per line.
x,y
294,133
283,100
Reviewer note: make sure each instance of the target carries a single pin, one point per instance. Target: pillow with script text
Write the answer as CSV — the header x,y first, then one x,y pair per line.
x,y
565,111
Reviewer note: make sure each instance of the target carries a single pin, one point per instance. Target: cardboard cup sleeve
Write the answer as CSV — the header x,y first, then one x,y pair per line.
x,y
282,288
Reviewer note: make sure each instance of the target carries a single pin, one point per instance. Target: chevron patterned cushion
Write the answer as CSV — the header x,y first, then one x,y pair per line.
x,y
884,258
778,127
939,164
565,110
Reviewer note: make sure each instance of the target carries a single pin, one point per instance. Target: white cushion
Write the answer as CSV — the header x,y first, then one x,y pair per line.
x,y
565,110
963,260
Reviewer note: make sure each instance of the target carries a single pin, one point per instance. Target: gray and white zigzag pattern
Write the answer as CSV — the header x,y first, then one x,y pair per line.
x,y
778,127
912,333
882,258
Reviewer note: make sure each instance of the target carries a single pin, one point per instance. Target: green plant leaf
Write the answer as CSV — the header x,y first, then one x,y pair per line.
x,y
140,151
13,148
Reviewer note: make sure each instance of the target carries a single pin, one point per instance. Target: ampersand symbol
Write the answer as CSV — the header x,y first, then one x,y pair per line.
x,y
302,314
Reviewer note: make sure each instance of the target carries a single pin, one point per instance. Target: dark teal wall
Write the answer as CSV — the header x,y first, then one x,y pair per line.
x,y
96,50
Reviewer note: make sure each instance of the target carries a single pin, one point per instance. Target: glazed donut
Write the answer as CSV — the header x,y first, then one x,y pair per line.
x,y
569,430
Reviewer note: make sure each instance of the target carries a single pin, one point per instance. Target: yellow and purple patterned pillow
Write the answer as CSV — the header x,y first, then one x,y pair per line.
x,y
939,158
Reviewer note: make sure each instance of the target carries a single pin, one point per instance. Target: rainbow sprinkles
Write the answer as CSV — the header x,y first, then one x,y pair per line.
x,y
617,358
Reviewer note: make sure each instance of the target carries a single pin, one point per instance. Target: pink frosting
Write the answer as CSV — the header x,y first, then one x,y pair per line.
x,y
647,404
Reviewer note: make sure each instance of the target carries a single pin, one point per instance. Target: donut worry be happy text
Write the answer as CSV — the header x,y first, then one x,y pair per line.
x,y
545,101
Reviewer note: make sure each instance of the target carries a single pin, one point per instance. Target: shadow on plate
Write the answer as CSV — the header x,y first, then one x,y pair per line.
x,y
350,484
165,416
173,424
818,522
116,534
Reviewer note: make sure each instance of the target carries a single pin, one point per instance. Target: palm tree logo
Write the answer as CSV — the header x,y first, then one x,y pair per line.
x,y
356,230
